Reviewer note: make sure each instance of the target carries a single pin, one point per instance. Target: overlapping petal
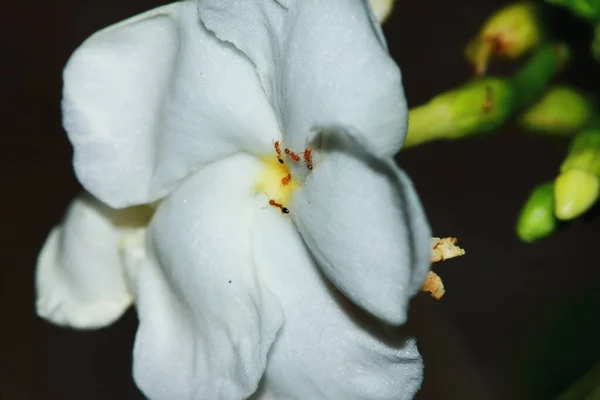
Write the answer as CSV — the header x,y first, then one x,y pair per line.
x,y
207,320
321,63
363,222
327,348
80,278
156,97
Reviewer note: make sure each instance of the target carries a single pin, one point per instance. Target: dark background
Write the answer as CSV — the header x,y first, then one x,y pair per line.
x,y
517,321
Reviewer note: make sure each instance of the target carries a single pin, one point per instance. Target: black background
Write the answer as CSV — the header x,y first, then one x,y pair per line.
x,y
478,342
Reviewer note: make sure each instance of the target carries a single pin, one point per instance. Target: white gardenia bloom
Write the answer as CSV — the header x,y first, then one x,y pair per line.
x,y
244,198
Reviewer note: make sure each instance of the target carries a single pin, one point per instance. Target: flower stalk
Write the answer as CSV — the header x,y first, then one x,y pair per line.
x,y
533,78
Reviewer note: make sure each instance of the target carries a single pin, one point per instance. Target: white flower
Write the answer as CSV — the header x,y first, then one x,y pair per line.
x,y
181,107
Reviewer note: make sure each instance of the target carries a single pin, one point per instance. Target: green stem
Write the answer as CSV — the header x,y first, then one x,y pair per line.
x,y
532,79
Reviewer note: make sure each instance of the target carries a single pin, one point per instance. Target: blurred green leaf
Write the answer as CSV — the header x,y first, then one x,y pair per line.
x,y
588,9
596,42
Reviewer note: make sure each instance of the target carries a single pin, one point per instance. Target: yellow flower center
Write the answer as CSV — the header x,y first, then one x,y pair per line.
x,y
276,179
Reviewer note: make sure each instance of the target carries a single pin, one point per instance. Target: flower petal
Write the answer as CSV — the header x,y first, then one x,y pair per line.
x,y
327,348
154,98
80,277
206,319
321,63
364,224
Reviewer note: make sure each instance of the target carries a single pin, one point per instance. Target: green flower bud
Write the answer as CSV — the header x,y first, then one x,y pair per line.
x,y
575,191
478,106
485,104
577,188
561,110
588,9
584,153
537,216
508,33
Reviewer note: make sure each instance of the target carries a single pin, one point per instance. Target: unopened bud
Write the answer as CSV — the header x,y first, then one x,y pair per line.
x,y
584,153
508,33
382,9
561,110
476,107
537,216
575,191
577,187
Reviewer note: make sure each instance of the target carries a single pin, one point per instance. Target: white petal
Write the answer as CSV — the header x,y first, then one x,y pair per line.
x,y
152,99
206,319
327,348
364,224
321,63
80,277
